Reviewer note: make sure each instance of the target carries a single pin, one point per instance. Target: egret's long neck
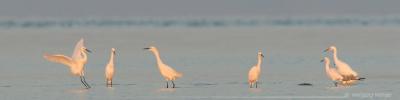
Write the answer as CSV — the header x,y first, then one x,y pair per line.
x,y
259,60
327,64
84,56
111,58
335,58
157,55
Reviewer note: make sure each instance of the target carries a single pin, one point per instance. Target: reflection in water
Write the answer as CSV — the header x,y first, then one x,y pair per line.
x,y
81,93
349,83
166,90
110,90
255,90
339,87
77,90
346,84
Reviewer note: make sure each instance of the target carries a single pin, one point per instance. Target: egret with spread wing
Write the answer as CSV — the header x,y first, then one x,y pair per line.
x,y
75,63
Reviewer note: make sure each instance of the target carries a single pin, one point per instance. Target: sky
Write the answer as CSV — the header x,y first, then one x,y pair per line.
x,y
176,8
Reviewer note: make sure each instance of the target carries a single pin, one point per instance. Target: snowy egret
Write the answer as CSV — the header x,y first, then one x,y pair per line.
x,y
332,72
109,71
254,72
343,68
167,72
76,65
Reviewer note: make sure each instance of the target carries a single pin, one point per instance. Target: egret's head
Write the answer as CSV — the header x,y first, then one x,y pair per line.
x,y
260,53
151,48
84,49
330,48
113,50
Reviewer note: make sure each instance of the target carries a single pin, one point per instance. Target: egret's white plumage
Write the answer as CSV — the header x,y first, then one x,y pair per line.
x,y
254,72
77,51
343,68
76,63
332,72
109,71
167,72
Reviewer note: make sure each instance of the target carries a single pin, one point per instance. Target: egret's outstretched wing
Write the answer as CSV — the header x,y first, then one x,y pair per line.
x,y
59,59
77,54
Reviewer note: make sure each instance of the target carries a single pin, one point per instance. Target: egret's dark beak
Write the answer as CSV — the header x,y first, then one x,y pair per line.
x,y
326,50
262,55
87,50
322,60
146,48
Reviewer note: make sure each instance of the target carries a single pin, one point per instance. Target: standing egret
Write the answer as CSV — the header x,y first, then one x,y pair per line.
x,y
254,72
343,68
332,72
167,72
109,73
76,65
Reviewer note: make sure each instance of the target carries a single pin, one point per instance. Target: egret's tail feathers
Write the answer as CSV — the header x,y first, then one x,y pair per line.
x,y
178,74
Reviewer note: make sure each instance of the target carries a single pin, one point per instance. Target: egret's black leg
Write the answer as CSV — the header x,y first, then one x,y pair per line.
x,y
256,84
80,77
167,84
173,84
84,80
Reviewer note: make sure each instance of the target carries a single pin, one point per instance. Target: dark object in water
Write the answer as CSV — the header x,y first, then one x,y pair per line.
x,y
305,84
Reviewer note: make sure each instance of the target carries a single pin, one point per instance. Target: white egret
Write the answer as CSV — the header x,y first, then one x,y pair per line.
x,y
254,72
109,71
332,72
343,68
75,63
167,72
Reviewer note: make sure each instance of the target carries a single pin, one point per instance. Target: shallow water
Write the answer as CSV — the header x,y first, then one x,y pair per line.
x,y
214,62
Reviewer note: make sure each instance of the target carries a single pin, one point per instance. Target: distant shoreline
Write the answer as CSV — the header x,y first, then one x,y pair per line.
x,y
200,22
